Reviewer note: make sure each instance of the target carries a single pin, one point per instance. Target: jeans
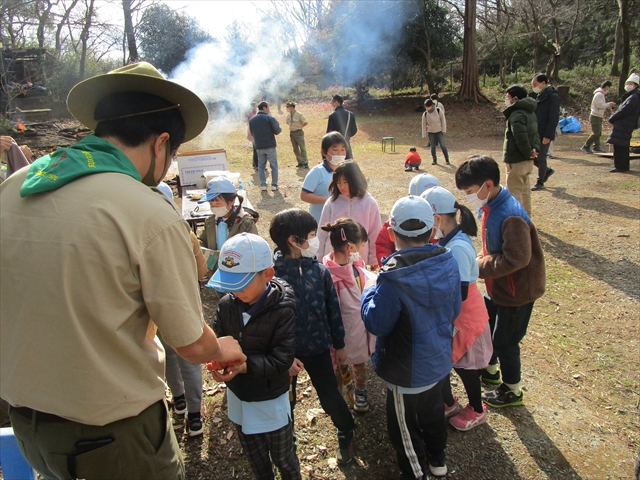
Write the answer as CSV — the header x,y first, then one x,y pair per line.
x,y
320,370
270,154
434,140
596,128
183,377
541,162
518,182
508,328
299,148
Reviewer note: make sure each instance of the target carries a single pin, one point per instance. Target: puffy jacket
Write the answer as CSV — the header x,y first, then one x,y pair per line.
x,y
318,318
548,112
244,222
513,261
268,341
625,119
521,133
264,128
411,310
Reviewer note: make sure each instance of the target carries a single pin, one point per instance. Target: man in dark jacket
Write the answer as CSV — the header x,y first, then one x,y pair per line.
x,y
264,128
343,121
521,143
624,121
548,113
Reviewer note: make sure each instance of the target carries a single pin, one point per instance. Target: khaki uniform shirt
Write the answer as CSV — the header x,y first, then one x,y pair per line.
x,y
295,121
84,269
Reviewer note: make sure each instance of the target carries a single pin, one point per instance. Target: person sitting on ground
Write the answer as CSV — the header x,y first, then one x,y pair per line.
x,y
599,105
413,160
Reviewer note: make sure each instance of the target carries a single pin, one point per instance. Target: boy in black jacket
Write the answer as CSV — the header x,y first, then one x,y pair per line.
x,y
259,312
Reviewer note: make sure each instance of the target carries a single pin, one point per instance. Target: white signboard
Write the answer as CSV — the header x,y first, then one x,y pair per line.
x,y
191,165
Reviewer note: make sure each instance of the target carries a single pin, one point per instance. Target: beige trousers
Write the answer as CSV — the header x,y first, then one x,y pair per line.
x,y
518,182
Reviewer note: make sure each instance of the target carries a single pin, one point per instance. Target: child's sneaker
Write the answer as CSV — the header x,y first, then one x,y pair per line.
x,y
453,409
346,446
438,470
361,403
194,425
180,405
503,396
492,378
469,418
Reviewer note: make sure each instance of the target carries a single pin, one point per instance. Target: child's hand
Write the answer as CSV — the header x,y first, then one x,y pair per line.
x,y
296,367
341,356
229,372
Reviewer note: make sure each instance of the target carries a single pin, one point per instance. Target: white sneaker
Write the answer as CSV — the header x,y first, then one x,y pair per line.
x,y
438,471
263,188
274,188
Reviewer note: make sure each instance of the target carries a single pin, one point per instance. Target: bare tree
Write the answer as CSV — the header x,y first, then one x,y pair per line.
x,y
306,16
496,17
84,36
64,19
626,41
129,33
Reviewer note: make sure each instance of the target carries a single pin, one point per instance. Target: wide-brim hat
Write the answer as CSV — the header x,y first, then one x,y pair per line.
x,y
137,77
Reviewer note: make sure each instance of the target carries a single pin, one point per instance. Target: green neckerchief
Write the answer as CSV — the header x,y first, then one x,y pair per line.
x,y
90,155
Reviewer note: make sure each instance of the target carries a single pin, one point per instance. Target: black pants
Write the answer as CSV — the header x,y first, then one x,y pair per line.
x,y
471,381
621,157
541,162
417,429
320,370
255,156
508,327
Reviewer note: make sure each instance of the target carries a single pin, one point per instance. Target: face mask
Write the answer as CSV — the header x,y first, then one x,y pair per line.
x,y
354,256
314,245
507,102
476,202
219,211
537,89
337,159
628,88
438,235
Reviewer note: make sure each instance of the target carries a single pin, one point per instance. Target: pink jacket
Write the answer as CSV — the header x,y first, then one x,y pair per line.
x,y
364,210
359,344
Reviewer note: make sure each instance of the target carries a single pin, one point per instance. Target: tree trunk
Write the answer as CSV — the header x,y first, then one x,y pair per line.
x,y
84,37
470,86
359,92
61,25
615,70
626,47
128,31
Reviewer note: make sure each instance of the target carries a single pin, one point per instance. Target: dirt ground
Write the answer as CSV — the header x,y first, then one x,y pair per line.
x,y
580,357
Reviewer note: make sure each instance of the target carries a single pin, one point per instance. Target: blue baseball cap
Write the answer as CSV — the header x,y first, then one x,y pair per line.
x,y
217,186
166,191
420,183
441,200
241,258
411,208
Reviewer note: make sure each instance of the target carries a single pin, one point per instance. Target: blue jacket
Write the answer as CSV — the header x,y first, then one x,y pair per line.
x,y
318,318
504,205
264,128
411,309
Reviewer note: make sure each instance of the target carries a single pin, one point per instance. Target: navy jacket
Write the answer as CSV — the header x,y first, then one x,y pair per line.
x,y
625,120
264,128
548,112
411,311
318,318
338,122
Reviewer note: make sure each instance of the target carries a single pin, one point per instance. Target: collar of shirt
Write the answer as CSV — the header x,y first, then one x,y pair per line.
x,y
251,309
327,166
443,241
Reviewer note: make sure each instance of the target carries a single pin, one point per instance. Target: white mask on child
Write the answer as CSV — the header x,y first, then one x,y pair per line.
x,y
310,252
354,257
337,159
219,211
476,202
438,235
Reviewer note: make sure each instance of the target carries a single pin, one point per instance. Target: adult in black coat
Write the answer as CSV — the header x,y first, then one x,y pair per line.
x,y
548,113
343,121
624,121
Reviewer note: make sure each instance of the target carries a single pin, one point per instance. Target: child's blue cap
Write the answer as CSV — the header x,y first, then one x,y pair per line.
x,y
241,258
166,191
411,208
217,186
420,183
441,200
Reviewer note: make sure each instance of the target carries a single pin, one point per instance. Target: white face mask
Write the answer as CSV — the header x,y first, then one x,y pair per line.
x,y
354,256
337,159
628,88
508,102
310,252
439,234
537,89
219,211
476,202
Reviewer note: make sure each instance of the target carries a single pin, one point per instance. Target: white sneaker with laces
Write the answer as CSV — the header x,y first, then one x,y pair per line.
x,y
274,188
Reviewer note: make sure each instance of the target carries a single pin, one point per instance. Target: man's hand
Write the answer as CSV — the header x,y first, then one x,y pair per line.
x,y
545,140
341,356
230,352
534,153
26,151
5,143
612,104
296,367
229,372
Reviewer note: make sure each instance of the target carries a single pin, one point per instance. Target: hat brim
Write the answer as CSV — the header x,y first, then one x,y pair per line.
x,y
209,197
85,96
230,282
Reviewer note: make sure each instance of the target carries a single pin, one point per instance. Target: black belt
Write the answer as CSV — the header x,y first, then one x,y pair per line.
x,y
29,413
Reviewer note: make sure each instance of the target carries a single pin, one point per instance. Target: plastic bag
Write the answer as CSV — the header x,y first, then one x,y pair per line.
x,y
570,125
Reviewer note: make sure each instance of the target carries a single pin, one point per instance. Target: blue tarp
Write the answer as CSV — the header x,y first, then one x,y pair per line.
x,y
570,125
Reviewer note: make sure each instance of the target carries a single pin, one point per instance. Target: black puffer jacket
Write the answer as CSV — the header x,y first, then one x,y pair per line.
x,y
268,340
548,112
625,120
